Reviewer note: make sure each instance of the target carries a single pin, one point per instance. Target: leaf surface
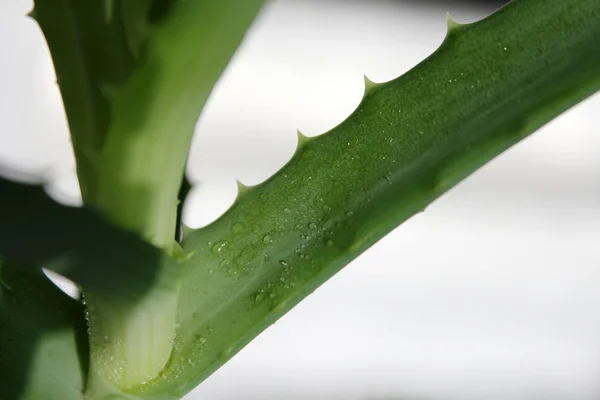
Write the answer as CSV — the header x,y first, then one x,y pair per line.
x,y
77,243
43,341
488,86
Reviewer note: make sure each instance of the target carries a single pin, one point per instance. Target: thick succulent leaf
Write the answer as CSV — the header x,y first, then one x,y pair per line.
x,y
178,50
43,341
134,75
489,85
92,56
103,259
95,46
154,113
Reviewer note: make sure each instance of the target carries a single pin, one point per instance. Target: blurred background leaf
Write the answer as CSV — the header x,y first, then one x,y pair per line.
x,y
43,340
37,232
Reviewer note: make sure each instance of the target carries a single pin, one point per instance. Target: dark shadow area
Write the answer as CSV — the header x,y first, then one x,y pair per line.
x,y
77,243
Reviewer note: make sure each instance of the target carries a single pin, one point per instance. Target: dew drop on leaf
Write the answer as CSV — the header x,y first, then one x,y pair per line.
x,y
238,228
220,247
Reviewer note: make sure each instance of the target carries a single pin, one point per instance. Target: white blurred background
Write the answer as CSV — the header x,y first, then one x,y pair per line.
x,y
492,293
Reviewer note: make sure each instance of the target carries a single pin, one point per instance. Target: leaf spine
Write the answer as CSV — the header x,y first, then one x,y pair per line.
x,y
302,139
452,24
369,85
32,14
241,188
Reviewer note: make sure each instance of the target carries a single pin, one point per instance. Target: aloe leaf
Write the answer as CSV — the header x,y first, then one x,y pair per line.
x,y
141,126
134,76
154,113
43,343
92,56
489,85
103,259
95,46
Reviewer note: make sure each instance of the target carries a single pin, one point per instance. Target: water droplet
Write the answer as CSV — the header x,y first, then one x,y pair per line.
x,y
286,210
225,264
238,228
210,271
312,225
329,243
283,262
220,247
266,239
388,177
349,213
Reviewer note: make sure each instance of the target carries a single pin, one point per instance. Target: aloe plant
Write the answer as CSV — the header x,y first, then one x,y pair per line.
x,y
163,309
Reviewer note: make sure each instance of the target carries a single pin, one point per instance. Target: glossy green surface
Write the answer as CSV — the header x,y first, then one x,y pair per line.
x,y
154,113
43,344
488,86
134,75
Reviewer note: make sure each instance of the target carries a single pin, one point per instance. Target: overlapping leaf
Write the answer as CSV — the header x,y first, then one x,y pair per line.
x,y
37,232
488,86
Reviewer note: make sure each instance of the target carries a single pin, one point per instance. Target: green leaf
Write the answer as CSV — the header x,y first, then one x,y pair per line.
x,y
141,123
92,56
134,75
103,259
154,113
489,85
95,46
43,343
